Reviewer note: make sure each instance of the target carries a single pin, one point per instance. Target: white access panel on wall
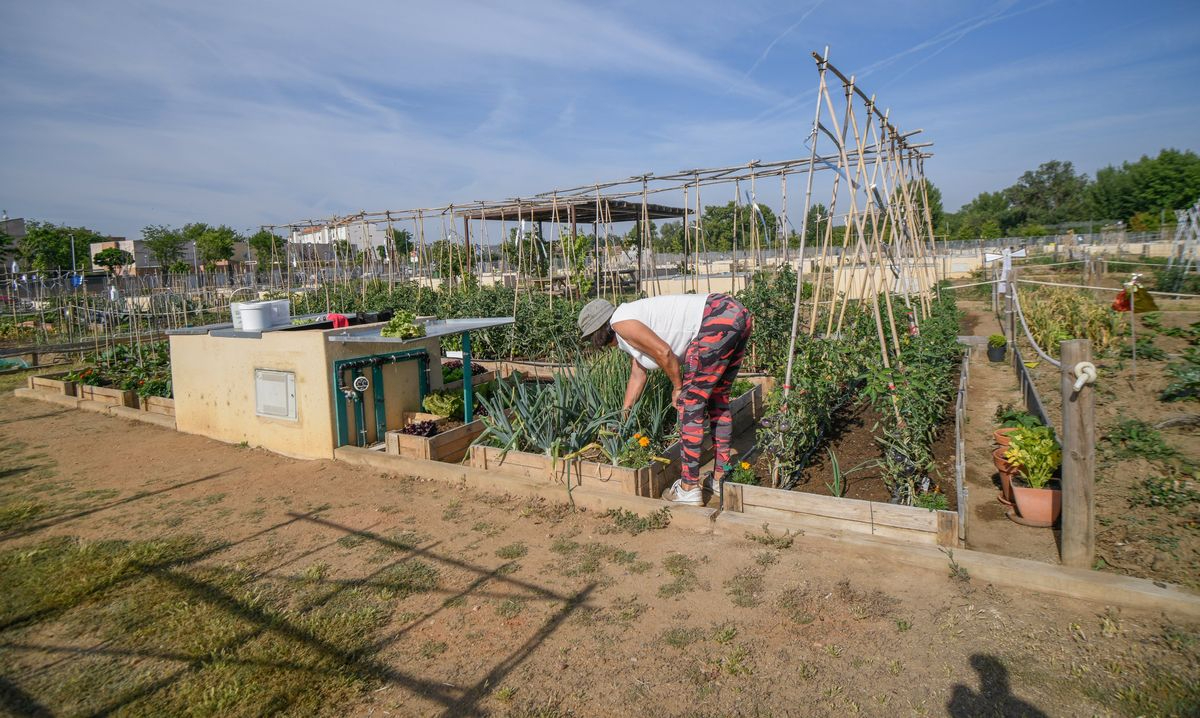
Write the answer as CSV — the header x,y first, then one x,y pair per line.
x,y
275,393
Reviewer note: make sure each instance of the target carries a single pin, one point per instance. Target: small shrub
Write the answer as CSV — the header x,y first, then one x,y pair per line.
x,y
1133,437
932,500
745,587
685,579
766,538
511,551
1173,494
509,608
681,637
635,524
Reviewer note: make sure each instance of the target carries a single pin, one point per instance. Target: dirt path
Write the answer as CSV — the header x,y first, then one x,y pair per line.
x,y
992,385
338,591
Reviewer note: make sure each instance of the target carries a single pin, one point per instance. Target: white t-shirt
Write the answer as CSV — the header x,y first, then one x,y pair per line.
x,y
674,318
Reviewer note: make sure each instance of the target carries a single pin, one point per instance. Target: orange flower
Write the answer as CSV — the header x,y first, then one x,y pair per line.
x,y
643,441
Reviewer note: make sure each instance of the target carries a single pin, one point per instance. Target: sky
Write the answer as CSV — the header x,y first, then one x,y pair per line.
x,y
129,113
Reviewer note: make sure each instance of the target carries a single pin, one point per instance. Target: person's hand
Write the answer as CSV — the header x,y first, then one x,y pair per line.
x,y
675,394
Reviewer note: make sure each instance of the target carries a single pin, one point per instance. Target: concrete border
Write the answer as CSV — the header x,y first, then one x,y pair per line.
x,y
98,407
1083,584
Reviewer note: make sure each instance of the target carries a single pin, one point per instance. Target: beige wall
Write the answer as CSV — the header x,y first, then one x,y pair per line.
x,y
213,381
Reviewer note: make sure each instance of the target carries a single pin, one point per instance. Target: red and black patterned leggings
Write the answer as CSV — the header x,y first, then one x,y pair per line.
x,y
710,366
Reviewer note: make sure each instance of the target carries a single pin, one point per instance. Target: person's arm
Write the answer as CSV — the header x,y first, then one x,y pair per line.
x,y
642,338
633,389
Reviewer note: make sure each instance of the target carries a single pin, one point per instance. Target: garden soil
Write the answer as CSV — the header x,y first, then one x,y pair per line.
x,y
532,610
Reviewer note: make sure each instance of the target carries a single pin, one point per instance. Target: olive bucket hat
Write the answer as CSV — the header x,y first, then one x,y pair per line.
x,y
593,315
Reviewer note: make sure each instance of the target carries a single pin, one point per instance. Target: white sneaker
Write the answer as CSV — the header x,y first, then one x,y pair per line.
x,y
679,495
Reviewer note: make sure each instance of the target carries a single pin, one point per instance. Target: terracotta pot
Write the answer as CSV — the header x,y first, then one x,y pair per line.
x,y
1001,463
1006,488
1039,506
1003,436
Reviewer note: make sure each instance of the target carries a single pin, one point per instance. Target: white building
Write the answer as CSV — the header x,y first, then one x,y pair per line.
x,y
361,236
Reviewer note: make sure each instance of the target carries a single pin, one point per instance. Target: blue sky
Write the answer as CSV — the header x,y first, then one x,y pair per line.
x,y
127,113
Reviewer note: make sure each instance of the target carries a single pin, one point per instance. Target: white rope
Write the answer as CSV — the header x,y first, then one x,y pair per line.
x,y
1028,334
1107,289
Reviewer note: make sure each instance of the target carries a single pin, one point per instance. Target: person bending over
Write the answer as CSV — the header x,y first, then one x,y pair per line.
x,y
698,340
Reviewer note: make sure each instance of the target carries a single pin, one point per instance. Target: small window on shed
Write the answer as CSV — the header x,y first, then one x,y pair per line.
x,y
275,393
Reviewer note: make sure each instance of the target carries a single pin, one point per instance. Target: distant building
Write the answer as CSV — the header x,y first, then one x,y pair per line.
x,y
145,263
15,229
362,236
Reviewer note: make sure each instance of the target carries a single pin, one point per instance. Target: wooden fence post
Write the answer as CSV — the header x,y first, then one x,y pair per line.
x,y
1079,459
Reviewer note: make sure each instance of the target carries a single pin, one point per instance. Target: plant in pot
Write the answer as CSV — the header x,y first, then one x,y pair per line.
x,y
1037,456
1010,420
997,347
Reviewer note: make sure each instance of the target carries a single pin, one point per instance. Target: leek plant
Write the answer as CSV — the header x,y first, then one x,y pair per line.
x,y
578,411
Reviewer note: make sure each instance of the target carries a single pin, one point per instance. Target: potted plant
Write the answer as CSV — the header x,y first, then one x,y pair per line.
x,y
1037,456
1006,471
997,347
1010,420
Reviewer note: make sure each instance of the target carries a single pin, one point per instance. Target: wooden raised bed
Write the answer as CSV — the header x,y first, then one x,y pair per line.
x,y
649,481
106,395
53,383
157,405
908,523
476,380
449,446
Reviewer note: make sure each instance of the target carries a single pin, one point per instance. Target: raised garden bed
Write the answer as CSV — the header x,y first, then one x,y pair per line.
x,y
106,395
449,445
476,380
55,383
649,481
157,405
909,523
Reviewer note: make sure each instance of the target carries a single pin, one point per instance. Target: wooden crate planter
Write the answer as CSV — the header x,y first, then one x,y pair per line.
x,y
53,383
106,395
649,481
475,381
157,405
908,523
449,446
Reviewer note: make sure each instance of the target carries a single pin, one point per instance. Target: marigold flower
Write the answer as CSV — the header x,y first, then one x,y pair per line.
x,y
745,464
643,441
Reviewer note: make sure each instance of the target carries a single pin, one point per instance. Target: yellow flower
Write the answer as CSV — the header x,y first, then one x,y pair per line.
x,y
745,464
643,441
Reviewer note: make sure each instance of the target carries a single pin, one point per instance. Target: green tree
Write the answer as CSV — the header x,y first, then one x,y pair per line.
x,y
267,246
164,243
215,244
47,246
1152,185
670,238
634,235
818,224
1051,194
112,259
530,252
402,241
179,267
719,226
937,213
